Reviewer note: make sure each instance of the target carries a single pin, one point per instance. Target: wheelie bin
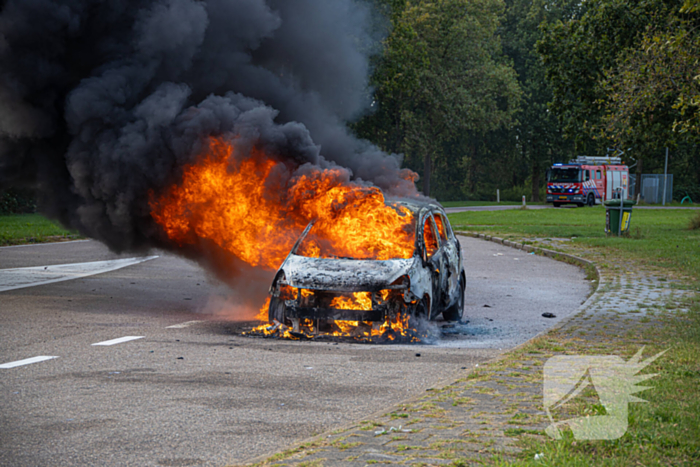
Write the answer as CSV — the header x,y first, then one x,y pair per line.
x,y
617,216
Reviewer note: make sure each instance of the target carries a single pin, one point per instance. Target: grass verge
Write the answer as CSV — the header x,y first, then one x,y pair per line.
x,y
18,229
663,431
666,429
657,237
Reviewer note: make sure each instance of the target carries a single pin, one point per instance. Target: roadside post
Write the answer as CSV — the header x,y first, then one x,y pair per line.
x,y
663,202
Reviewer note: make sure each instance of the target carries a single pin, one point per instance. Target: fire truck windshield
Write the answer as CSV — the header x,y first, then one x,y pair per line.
x,y
569,175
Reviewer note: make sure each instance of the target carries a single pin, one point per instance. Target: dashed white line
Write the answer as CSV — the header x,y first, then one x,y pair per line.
x,y
119,340
26,361
183,325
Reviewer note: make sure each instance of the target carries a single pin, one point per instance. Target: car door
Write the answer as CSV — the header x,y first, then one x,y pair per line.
x,y
452,255
436,262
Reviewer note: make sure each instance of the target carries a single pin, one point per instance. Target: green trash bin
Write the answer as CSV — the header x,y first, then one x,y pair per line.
x,y
616,222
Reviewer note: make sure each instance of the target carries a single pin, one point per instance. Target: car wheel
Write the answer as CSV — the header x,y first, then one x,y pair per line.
x,y
454,312
276,310
420,314
557,205
591,200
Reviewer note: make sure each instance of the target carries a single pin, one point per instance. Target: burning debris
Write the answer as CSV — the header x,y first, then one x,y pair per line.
x,y
396,330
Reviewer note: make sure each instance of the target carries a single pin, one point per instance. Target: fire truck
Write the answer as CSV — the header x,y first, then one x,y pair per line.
x,y
587,181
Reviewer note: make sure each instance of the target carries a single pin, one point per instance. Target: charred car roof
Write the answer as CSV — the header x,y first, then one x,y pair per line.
x,y
415,205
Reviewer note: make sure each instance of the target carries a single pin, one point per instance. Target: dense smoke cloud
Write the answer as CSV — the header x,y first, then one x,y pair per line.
x,y
102,103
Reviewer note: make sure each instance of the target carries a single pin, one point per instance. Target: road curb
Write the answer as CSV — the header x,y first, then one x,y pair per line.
x,y
557,255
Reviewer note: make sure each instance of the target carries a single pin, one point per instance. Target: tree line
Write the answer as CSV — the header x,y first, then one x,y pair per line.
x,y
480,95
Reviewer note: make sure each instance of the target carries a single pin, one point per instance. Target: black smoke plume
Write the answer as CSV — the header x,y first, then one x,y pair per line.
x,y
102,102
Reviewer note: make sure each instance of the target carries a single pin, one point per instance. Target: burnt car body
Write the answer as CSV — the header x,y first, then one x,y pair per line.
x,y
428,284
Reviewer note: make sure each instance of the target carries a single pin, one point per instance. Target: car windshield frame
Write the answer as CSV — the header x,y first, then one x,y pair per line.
x,y
309,228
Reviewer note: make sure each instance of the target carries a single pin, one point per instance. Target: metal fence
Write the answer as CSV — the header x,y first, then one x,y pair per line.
x,y
652,188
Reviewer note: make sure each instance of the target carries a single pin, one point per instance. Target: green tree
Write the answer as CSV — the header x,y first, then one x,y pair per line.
x,y
593,63
654,94
440,78
538,134
643,91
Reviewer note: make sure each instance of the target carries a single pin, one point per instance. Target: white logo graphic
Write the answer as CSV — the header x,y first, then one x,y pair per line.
x,y
614,380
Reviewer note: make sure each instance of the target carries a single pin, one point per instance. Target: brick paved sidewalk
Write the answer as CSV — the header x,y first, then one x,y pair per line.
x,y
477,417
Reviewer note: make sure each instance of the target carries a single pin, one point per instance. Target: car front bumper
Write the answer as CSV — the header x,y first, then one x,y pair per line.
x,y
331,314
578,198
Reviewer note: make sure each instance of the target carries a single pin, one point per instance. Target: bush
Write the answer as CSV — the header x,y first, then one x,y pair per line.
x,y
17,201
695,221
681,191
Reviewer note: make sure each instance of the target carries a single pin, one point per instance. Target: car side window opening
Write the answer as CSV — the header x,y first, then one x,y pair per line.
x,y
588,175
597,174
440,223
430,238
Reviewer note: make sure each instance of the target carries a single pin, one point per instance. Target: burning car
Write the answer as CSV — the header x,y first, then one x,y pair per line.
x,y
324,288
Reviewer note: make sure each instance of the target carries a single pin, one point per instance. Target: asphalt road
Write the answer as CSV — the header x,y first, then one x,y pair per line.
x,y
196,393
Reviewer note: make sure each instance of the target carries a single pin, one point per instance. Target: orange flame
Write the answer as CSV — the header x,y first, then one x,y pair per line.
x,y
306,293
262,313
255,208
358,301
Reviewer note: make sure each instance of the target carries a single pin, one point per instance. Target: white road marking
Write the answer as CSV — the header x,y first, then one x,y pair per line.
x,y
183,325
119,340
26,361
18,278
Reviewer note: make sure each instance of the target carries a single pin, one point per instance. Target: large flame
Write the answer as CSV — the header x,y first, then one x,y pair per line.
x,y
256,207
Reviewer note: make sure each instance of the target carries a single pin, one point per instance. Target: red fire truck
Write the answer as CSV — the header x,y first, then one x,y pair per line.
x,y
587,181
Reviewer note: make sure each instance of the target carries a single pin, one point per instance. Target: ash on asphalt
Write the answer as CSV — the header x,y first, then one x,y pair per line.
x,y
435,333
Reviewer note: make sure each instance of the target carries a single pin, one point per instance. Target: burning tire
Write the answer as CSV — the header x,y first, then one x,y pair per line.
x,y
276,310
418,316
455,312
422,309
